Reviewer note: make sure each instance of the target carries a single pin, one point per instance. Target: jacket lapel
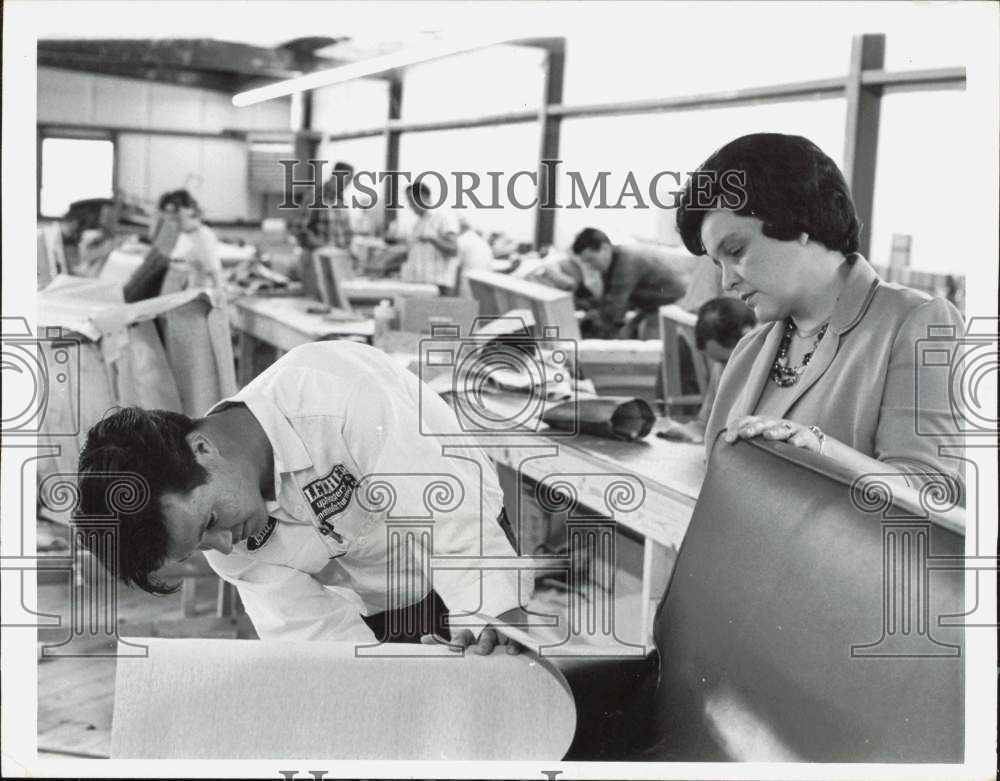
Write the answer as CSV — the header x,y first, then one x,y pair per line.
x,y
746,402
859,288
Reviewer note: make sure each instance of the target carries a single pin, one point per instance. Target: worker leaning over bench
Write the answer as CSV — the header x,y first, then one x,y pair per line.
x,y
267,484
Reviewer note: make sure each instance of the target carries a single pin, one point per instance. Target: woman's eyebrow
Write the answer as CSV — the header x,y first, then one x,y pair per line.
x,y
714,251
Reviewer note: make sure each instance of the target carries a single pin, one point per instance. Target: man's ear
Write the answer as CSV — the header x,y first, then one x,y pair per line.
x,y
201,445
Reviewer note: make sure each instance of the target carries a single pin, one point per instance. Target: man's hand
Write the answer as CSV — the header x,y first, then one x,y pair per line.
x,y
490,638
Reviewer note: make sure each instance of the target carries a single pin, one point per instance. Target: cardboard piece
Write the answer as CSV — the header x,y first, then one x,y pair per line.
x,y
552,309
252,699
114,355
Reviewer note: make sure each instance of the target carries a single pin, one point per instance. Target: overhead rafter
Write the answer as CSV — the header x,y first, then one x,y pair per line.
x,y
220,65
90,63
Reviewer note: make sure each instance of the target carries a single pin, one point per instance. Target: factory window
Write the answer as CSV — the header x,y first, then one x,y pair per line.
x,y
923,190
75,169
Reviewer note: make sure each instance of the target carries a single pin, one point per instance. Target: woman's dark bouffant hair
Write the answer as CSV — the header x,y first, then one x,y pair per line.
x,y
790,184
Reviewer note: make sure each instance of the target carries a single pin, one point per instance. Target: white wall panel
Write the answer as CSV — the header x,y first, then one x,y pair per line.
x,y
223,191
175,108
218,112
126,100
175,162
65,96
214,170
133,167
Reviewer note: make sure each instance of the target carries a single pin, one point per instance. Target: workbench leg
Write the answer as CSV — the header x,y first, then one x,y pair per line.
x,y
247,358
189,598
225,605
647,591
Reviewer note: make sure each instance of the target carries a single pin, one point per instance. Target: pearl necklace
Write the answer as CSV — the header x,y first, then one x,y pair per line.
x,y
783,375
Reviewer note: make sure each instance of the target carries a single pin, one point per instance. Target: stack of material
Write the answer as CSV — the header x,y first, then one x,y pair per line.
x,y
172,352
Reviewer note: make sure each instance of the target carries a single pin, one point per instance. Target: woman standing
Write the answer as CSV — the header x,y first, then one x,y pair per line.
x,y
833,368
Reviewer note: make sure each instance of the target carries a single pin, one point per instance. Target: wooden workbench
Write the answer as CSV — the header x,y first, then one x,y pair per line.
x,y
285,323
670,473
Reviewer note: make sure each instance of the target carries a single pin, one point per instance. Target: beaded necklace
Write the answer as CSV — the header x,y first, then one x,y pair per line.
x,y
783,375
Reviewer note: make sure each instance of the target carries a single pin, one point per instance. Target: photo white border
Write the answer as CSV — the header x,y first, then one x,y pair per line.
x,y
24,20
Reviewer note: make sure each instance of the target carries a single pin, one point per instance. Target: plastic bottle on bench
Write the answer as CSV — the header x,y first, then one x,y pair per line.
x,y
384,315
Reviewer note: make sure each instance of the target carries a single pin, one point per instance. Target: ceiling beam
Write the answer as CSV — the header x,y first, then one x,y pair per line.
x,y
212,80
198,54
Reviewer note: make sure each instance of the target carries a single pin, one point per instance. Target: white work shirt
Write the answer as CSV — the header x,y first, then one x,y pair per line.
x,y
474,254
199,249
424,261
338,415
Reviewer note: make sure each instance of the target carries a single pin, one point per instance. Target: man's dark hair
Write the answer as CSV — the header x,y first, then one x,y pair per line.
x,y
790,184
86,214
340,177
724,320
178,199
420,193
151,445
589,238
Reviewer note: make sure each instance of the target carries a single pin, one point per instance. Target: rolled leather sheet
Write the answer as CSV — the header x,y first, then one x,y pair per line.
x,y
613,417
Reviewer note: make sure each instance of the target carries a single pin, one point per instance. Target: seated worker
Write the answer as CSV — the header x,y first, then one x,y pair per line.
x,y
269,484
89,233
834,369
474,254
722,322
197,245
630,278
432,254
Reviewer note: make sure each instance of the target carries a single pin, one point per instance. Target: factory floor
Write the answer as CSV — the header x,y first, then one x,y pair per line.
x,y
76,693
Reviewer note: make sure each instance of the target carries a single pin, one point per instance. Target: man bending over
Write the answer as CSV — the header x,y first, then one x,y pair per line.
x,y
275,485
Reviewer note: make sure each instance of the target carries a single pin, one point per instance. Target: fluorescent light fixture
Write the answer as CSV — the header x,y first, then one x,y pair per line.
x,y
369,67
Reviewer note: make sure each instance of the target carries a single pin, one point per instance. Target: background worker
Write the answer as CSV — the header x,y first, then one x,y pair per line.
x,y
608,281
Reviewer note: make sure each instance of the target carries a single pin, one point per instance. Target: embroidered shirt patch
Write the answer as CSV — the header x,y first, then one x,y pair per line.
x,y
330,495
257,541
